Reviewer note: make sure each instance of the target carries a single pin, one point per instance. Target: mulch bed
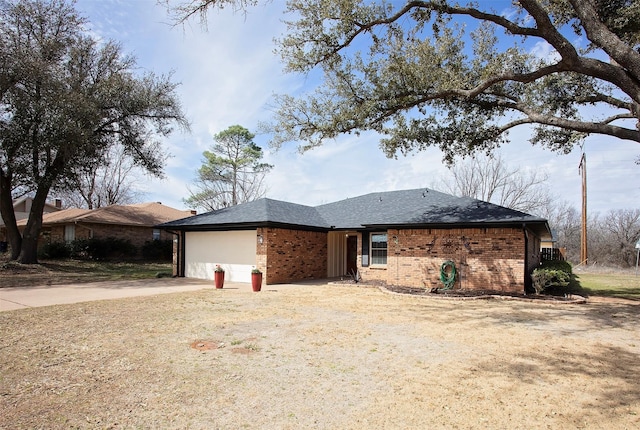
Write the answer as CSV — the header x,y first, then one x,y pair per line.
x,y
467,294
474,294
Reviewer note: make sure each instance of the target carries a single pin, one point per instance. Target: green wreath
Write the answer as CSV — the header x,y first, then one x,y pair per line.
x,y
448,274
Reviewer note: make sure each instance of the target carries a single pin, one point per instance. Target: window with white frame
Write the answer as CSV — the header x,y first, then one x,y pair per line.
x,y
69,232
378,248
156,234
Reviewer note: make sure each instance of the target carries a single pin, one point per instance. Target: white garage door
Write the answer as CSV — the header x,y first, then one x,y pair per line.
x,y
235,251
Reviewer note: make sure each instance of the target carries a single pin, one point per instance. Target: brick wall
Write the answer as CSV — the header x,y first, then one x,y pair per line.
x,y
136,235
176,260
491,258
534,252
291,255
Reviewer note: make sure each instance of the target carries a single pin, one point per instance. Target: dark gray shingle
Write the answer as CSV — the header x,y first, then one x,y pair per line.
x,y
419,207
416,207
258,212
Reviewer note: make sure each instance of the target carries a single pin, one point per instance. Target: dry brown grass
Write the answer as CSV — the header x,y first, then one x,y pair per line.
x,y
323,357
57,272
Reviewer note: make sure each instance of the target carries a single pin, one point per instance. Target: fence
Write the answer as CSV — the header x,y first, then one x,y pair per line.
x,y
552,254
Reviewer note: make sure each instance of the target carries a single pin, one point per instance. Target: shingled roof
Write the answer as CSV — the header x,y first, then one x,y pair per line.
x,y
259,212
141,214
407,208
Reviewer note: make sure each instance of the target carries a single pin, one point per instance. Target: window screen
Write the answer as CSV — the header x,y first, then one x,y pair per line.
x,y
379,248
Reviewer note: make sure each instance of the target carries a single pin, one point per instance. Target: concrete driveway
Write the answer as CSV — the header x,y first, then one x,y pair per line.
x,y
27,297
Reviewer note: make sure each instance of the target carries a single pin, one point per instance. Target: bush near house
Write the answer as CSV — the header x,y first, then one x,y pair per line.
x,y
157,250
90,249
552,276
107,249
103,249
55,251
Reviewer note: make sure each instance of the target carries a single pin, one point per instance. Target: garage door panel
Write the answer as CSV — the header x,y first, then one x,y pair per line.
x,y
235,251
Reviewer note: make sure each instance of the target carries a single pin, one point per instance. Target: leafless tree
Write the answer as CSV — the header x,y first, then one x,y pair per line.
x,y
615,235
111,183
564,221
612,236
489,178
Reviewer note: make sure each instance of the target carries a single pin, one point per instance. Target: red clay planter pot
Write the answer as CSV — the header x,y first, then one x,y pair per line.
x,y
219,279
256,281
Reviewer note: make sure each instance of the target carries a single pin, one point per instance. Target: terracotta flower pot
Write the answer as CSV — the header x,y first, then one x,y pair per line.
x,y
256,281
219,279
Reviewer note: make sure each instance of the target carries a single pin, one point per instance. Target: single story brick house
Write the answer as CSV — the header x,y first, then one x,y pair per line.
x,y
22,207
398,237
135,223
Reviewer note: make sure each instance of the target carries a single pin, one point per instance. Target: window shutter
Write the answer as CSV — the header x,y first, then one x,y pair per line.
x,y
365,249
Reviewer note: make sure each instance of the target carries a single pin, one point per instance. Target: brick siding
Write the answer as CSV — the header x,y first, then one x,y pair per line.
x,y
485,258
291,255
534,253
491,258
136,235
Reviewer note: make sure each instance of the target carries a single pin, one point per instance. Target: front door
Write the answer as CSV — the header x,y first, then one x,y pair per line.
x,y
352,255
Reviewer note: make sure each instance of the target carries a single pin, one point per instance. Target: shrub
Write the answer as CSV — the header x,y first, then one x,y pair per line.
x,y
551,274
565,266
55,251
158,250
102,249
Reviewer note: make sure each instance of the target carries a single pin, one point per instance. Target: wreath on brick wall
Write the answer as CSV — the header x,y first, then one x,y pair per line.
x,y
448,274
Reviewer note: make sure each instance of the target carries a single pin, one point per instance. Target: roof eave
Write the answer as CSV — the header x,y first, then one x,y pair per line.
x,y
241,226
87,222
468,224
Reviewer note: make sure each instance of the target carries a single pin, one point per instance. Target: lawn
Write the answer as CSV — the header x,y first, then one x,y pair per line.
x,y
320,357
622,284
316,356
57,272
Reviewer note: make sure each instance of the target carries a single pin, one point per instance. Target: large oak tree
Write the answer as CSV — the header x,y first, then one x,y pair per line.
x,y
66,98
457,75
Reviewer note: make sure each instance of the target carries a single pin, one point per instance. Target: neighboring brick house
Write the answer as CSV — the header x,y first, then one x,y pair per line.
x,y
397,237
135,223
22,207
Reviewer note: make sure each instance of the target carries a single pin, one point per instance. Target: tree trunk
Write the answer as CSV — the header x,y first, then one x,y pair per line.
x,y
9,216
29,249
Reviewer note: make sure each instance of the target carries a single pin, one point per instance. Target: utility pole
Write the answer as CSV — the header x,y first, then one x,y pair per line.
x,y
582,169
637,255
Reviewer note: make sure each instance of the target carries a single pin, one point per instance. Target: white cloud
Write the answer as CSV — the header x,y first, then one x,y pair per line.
x,y
545,51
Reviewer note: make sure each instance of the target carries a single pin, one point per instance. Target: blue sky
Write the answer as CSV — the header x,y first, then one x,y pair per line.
x,y
228,74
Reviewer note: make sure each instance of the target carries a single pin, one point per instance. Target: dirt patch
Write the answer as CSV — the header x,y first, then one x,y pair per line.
x,y
206,345
321,357
243,350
